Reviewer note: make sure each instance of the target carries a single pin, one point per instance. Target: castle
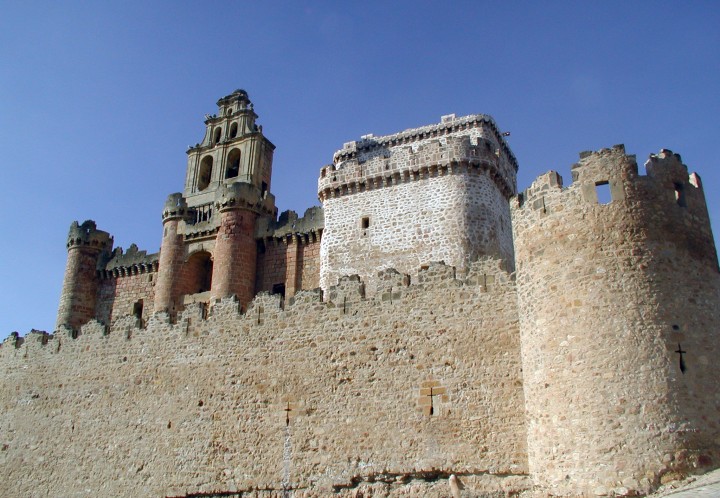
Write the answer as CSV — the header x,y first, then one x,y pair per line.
x,y
428,331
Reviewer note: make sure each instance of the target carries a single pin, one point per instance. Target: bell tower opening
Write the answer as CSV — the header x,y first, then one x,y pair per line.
x,y
233,164
205,173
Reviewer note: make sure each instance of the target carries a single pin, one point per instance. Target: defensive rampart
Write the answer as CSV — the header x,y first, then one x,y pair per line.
x,y
392,394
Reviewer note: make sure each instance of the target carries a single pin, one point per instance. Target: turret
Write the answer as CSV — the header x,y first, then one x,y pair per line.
x,y
618,292
239,205
87,248
172,252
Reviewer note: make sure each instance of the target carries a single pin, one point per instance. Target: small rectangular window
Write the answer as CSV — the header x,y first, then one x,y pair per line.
x,y
365,223
603,192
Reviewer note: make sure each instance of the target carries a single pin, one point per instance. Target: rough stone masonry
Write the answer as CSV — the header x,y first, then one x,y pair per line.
x,y
427,331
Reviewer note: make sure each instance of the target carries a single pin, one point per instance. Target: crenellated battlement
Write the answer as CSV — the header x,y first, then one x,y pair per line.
x,y
388,162
175,207
131,262
667,181
289,224
449,124
487,275
87,235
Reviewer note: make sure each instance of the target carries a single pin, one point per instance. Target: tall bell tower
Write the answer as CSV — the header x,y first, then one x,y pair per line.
x,y
232,150
227,188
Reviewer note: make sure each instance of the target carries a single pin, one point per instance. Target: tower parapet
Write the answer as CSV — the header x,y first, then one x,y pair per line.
x,y
618,302
376,162
175,207
88,248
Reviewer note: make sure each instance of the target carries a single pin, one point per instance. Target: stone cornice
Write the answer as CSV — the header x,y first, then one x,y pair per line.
x,y
230,142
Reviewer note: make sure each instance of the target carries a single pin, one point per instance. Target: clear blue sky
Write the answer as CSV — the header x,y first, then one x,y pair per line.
x,y
99,100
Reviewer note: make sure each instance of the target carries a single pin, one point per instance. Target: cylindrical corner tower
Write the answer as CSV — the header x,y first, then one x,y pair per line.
x,y
235,255
172,251
86,244
618,291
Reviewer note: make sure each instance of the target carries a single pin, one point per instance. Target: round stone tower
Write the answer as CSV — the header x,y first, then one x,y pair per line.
x,y
618,291
239,205
172,252
87,246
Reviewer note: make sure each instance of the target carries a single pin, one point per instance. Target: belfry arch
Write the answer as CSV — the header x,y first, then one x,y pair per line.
x,y
205,173
233,164
197,274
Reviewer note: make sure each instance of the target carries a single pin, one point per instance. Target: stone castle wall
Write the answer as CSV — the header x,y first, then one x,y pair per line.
x,y
392,394
450,218
593,374
608,295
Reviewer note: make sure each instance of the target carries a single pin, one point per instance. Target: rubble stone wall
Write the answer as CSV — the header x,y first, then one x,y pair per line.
x,y
391,394
309,263
454,218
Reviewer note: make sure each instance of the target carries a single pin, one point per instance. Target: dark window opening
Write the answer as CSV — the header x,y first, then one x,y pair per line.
x,y
603,192
233,161
680,194
205,173
365,222
138,309
263,190
218,133
279,289
233,130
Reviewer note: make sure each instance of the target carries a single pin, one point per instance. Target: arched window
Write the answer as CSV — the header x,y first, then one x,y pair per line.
x,y
205,173
218,133
198,272
233,130
233,164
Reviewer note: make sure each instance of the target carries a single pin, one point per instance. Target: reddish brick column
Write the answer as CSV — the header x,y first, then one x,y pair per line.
x,y
172,252
235,256
170,266
292,271
80,284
